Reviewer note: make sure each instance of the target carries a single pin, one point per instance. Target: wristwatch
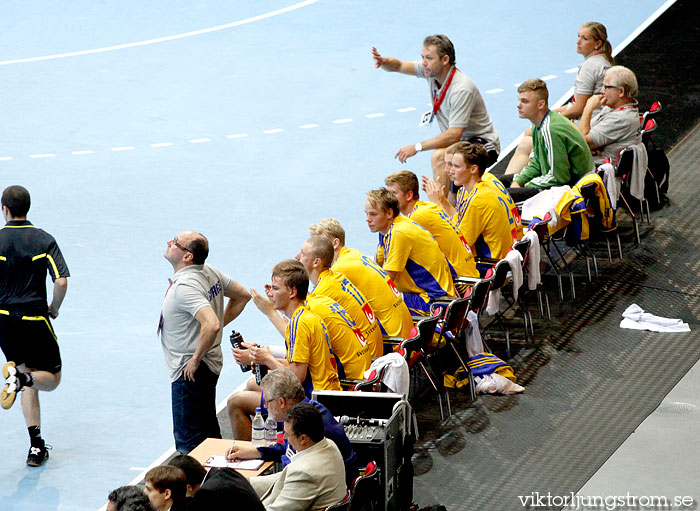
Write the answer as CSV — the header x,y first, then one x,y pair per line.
x,y
418,147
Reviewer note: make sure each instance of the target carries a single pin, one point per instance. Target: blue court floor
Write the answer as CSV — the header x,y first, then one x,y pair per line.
x,y
247,121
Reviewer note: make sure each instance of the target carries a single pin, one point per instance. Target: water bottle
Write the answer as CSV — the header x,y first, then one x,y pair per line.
x,y
270,430
258,435
236,340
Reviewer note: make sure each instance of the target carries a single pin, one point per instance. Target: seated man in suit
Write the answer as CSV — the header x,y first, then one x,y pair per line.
x,y
315,477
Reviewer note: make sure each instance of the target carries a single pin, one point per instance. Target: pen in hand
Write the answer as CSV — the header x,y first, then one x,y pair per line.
x,y
228,456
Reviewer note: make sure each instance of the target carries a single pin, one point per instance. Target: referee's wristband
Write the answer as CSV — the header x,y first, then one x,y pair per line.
x,y
418,147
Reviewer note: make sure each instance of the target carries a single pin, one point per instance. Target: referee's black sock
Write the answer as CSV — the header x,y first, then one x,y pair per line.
x,y
25,379
35,436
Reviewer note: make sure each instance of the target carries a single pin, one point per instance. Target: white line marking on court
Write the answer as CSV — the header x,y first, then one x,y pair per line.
x,y
342,121
162,144
374,116
43,155
516,84
171,450
141,469
5,158
245,21
307,126
123,148
494,91
616,50
407,109
572,70
199,140
85,151
237,135
548,77
275,130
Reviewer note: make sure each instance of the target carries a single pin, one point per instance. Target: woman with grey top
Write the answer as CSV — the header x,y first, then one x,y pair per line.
x,y
592,42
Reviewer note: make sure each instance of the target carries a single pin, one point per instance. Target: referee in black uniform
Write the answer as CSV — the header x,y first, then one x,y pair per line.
x,y
26,336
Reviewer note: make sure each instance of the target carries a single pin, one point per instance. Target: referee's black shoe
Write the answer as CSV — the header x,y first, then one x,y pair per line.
x,y
38,454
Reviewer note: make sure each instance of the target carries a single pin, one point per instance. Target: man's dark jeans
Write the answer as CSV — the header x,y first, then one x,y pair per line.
x,y
194,409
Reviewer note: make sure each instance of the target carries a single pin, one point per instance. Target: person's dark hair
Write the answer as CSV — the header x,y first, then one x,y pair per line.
x,y
16,199
137,505
129,496
383,199
199,247
193,469
294,276
166,477
305,419
472,153
443,44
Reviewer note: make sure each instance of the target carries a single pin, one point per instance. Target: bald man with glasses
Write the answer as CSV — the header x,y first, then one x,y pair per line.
x,y
190,328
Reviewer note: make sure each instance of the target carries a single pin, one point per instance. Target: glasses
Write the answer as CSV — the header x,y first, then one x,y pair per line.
x,y
175,242
267,401
611,87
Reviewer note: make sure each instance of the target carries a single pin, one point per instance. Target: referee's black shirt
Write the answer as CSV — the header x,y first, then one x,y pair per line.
x,y
26,254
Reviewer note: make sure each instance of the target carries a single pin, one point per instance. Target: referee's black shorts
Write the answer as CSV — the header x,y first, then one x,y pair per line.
x,y
30,340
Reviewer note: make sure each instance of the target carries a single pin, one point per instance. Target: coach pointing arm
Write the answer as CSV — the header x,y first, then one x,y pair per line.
x,y
433,65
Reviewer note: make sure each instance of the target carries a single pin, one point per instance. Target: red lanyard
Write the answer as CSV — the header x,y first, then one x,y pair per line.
x,y
438,101
626,106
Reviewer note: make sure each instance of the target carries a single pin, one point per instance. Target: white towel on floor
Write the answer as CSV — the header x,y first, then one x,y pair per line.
x,y
635,318
494,383
533,261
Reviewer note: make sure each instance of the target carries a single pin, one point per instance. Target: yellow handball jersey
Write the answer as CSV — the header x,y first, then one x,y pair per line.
x,y
306,339
352,351
450,240
378,289
409,250
338,287
514,219
483,219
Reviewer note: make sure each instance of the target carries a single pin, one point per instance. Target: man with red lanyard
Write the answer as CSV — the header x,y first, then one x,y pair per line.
x,y
617,124
457,104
